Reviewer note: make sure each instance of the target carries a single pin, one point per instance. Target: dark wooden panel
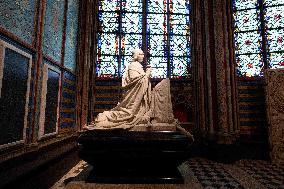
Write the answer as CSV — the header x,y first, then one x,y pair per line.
x,y
51,102
13,96
252,108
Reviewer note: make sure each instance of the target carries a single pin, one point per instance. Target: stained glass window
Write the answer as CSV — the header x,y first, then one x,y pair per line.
x,y
161,28
259,35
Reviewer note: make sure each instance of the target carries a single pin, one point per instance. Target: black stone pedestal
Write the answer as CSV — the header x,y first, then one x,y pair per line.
x,y
134,157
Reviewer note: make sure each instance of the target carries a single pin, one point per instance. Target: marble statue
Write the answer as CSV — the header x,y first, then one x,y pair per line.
x,y
141,108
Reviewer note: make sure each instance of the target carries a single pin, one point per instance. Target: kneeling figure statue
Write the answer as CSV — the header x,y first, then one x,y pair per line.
x,y
141,109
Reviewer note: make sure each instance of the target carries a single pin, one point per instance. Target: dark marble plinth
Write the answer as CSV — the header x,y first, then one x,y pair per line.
x,y
133,156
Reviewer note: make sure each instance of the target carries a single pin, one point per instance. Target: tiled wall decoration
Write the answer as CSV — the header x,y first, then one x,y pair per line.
x,y
71,35
38,47
53,28
68,102
18,18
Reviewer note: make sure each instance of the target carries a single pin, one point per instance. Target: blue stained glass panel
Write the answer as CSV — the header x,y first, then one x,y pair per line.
x,y
107,65
246,20
121,38
108,5
156,23
276,60
273,2
245,4
156,6
107,44
125,61
180,6
132,5
159,66
109,21
71,35
130,42
53,28
248,42
179,45
249,65
180,24
132,23
275,40
18,17
272,33
157,45
274,17
180,66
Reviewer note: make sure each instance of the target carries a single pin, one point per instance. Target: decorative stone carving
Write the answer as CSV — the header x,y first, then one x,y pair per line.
x,y
275,113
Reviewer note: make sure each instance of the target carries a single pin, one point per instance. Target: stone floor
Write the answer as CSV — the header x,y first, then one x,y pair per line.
x,y
198,173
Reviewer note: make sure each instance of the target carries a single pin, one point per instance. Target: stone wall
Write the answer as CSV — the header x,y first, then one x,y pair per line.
x,y
275,113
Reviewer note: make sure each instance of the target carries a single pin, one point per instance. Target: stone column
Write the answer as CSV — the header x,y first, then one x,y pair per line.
x,y
198,64
85,66
214,70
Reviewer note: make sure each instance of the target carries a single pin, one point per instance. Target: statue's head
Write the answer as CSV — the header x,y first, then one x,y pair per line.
x,y
137,55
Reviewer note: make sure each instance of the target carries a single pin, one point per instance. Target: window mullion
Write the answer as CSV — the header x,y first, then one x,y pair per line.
x,y
144,32
168,40
263,34
119,37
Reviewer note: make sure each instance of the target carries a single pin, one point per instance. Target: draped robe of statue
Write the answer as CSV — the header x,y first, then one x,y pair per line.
x,y
141,107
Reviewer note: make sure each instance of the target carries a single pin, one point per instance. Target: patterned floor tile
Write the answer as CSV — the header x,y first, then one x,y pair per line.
x,y
270,175
202,173
212,174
